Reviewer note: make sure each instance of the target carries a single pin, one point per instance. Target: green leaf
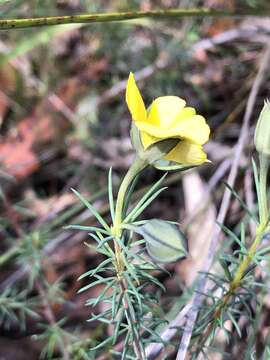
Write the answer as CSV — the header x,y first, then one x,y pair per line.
x,y
92,209
129,195
257,182
226,269
131,216
110,193
241,202
85,228
136,212
94,283
233,320
165,242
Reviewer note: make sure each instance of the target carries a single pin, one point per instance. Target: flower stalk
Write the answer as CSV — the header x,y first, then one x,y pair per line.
x,y
116,230
137,166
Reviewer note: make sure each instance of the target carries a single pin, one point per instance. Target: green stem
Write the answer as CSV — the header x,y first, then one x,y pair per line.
x,y
109,17
137,166
248,258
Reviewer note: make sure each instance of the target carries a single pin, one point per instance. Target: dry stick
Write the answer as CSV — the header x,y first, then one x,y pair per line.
x,y
198,297
121,16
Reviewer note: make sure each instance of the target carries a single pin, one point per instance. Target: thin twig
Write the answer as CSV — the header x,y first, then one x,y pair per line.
x,y
121,16
198,297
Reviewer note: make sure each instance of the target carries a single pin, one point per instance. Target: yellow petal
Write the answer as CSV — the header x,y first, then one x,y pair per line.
x,y
164,110
194,129
187,153
134,100
186,113
148,140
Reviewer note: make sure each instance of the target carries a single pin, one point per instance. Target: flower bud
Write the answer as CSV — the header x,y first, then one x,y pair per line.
x,y
262,132
165,242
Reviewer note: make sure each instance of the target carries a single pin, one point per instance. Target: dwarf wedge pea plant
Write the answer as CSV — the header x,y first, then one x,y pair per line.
x,y
237,294
169,136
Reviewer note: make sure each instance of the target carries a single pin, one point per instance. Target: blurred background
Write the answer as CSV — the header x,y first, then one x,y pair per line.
x,y
64,123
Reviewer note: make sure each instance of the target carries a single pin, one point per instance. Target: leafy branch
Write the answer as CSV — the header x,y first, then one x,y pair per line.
x,y
243,260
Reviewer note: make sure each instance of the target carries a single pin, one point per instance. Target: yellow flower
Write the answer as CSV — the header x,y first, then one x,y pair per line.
x,y
169,118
